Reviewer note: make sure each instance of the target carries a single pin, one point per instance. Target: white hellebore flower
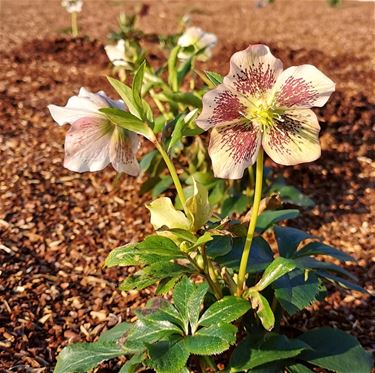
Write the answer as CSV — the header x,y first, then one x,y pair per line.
x,y
72,6
197,38
259,104
92,141
116,53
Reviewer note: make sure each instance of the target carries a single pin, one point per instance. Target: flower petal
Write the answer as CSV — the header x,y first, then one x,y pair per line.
x,y
294,139
116,53
87,144
190,36
124,145
253,71
302,87
233,148
221,106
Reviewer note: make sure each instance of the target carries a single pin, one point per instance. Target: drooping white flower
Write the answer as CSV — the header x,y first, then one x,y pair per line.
x,y
198,39
72,6
116,53
259,104
92,141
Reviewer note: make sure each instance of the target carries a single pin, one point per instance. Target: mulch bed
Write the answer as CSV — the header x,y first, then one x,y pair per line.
x,y
57,227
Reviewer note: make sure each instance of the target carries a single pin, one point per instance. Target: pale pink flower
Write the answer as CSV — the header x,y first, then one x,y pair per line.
x,y
92,141
259,104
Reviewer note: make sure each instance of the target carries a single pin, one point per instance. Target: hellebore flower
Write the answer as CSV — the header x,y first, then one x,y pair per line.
x,y
116,53
92,141
72,6
259,104
198,39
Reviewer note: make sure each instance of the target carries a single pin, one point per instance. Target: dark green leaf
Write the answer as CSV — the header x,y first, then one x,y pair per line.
x,y
168,356
290,194
260,255
298,368
336,350
319,248
81,357
214,339
236,204
288,240
181,295
255,351
147,159
166,285
340,281
270,217
131,365
219,246
226,310
194,304
165,182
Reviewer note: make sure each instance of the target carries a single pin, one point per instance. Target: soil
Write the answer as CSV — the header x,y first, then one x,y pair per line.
x,y
57,227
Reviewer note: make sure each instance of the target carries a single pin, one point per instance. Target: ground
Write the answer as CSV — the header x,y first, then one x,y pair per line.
x,y
56,227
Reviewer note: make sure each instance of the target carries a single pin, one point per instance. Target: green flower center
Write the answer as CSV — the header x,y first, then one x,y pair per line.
x,y
266,116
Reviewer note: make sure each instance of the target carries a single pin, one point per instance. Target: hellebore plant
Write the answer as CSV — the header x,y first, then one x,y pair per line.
x,y
229,289
73,7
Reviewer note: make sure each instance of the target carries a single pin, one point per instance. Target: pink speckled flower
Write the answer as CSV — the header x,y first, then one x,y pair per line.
x,y
259,104
92,141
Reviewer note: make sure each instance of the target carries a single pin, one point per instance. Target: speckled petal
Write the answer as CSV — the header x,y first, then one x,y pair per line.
x,y
294,138
122,153
253,71
87,144
302,87
221,106
233,148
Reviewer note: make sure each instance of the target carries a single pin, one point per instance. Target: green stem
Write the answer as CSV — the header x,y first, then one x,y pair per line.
x,y
74,24
173,172
252,224
211,281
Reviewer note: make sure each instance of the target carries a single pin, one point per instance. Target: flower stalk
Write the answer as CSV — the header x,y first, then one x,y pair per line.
x,y
252,223
74,24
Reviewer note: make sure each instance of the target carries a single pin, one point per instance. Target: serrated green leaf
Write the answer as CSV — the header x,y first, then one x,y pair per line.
x,y
262,308
194,305
123,256
288,240
214,339
181,295
271,217
166,285
128,121
341,282
81,357
298,368
131,365
163,214
335,350
278,268
319,248
198,206
115,333
256,351
225,310
214,78
160,245
168,356
295,292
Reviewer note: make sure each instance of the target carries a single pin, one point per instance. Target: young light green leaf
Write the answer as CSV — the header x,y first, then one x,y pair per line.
x,y
128,121
163,214
137,88
198,206
172,69
279,267
126,94
82,357
214,339
214,78
336,350
225,310
263,310
202,240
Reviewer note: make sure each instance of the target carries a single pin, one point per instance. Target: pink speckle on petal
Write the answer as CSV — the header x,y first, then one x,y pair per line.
x,y
296,91
240,141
